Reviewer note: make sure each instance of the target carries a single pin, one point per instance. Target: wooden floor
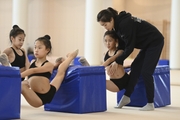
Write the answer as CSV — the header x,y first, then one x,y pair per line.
x,y
170,112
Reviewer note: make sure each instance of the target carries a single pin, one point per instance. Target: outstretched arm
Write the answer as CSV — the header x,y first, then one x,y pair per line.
x,y
84,62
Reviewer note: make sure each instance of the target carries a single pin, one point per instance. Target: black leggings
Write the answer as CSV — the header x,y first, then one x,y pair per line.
x,y
144,64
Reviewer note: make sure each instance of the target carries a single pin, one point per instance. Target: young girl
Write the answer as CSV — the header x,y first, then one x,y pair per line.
x,y
17,55
119,80
37,90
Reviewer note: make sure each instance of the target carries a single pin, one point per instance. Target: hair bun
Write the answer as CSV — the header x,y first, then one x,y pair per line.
x,y
15,26
47,37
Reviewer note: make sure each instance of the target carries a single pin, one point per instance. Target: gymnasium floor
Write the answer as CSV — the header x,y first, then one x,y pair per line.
x,y
170,112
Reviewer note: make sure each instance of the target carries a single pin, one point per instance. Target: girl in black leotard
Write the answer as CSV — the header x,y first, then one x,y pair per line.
x,y
36,89
16,54
119,80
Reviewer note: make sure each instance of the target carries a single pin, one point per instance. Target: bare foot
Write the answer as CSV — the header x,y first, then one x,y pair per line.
x,y
58,62
63,67
60,59
4,59
73,54
83,61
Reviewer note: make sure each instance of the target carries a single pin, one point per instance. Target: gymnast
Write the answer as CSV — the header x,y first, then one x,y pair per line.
x,y
16,54
120,78
37,90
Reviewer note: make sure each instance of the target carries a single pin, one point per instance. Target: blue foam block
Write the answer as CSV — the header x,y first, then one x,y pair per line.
x,y
161,85
31,57
10,91
163,62
82,91
76,62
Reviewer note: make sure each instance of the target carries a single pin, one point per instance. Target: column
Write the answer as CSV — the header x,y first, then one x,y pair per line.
x,y
174,35
93,34
20,16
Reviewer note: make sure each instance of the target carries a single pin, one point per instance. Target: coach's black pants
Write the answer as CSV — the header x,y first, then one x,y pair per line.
x,y
144,64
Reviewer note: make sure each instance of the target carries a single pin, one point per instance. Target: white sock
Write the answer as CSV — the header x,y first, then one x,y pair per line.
x,y
148,107
124,101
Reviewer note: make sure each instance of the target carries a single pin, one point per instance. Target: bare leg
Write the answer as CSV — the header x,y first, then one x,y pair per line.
x,y
111,86
30,95
119,74
56,82
83,61
72,62
4,60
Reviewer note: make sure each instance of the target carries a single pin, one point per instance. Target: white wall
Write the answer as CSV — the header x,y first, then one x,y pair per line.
x,y
64,21
5,23
154,10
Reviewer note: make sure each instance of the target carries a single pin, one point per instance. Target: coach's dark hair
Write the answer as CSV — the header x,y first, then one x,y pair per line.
x,y
106,15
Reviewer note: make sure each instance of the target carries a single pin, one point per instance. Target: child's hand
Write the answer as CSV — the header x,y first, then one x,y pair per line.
x,y
111,69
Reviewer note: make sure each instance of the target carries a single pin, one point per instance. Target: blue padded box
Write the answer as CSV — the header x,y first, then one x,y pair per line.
x,y
82,91
10,91
31,57
76,62
161,85
163,62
